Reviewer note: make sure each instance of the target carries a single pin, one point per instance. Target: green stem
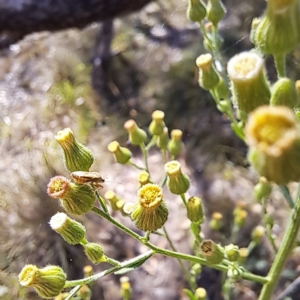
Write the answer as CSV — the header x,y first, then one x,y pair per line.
x,y
145,155
286,193
183,199
191,258
120,266
102,202
111,261
280,65
284,251
136,166
183,268
151,143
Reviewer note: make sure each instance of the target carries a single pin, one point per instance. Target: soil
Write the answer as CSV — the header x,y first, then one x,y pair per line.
x,y
45,86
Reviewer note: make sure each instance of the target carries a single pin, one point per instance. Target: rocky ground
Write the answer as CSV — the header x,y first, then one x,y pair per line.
x,y
45,86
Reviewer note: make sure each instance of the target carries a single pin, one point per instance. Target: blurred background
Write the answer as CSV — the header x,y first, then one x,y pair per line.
x,y
92,80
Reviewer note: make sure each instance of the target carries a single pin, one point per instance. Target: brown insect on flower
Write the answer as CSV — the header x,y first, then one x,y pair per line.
x,y
94,178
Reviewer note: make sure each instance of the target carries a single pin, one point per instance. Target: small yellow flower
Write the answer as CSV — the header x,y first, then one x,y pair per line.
x,y
48,282
150,212
273,136
77,157
76,199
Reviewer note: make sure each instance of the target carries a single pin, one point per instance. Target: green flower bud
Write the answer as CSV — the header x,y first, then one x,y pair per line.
x,y
94,253
215,11
200,294
195,269
84,292
277,32
71,231
122,155
273,136
88,271
157,125
126,290
213,252
249,85
175,145
240,217
137,136
77,157
143,178
163,139
284,93
75,198
268,221
216,221
195,210
243,255
232,252
48,282
196,10
208,76
128,208
258,234
262,189
113,199
178,183
150,212
254,25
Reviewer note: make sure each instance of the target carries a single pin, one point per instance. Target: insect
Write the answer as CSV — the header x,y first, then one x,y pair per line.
x,y
93,178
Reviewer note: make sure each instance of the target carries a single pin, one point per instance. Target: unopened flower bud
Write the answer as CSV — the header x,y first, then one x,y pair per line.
x,y
196,10
200,294
196,269
75,198
178,183
163,139
122,154
150,212
84,292
143,178
112,198
71,231
216,221
262,189
195,210
243,255
126,290
208,76
254,25
215,11
128,208
277,32
232,252
213,252
175,145
273,136
257,234
284,93
157,125
48,282
268,221
77,157
88,271
250,88
94,253
240,217
137,136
